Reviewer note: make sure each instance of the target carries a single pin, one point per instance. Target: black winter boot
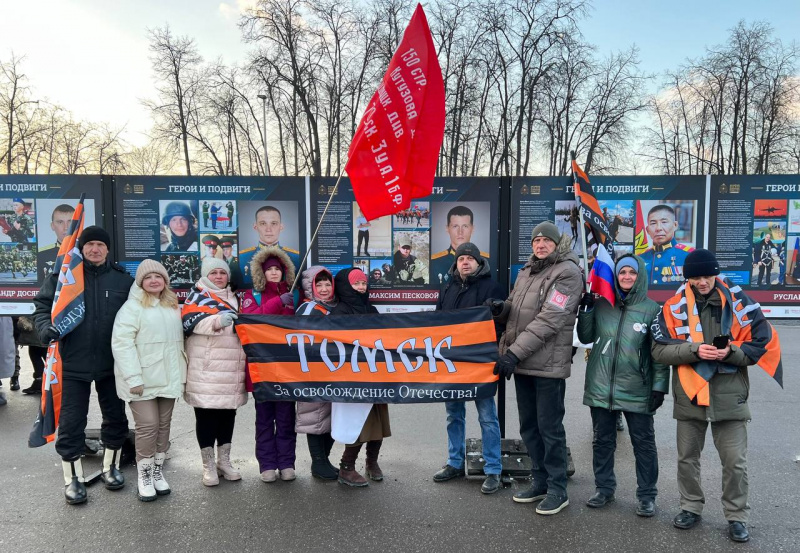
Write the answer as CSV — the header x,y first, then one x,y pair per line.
x,y
35,388
74,489
320,465
329,441
111,476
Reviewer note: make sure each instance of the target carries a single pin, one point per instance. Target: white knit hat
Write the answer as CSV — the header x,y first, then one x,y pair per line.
x,y
150,266
211,263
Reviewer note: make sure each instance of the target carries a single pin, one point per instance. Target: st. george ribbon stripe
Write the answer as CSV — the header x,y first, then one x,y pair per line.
x,y
479,353
361,323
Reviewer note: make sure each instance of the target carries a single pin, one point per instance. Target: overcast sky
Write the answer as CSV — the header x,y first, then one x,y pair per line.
x,y
91,56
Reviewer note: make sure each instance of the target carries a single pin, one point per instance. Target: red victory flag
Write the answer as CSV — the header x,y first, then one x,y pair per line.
x,y
395,149
66,314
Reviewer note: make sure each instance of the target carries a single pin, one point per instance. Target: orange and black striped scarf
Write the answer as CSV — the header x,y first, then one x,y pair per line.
x,y
199,304
742,320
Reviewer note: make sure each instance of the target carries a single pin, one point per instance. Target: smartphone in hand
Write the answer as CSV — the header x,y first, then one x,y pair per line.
x,y
721,342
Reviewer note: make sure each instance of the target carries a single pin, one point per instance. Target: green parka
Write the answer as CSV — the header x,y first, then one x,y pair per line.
x,y
621,374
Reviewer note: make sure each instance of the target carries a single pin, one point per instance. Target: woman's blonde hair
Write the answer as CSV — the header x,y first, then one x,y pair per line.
x,y
166,298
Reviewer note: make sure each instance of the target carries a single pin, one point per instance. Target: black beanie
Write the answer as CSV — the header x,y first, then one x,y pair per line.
x,y
94,233
468,248
700,263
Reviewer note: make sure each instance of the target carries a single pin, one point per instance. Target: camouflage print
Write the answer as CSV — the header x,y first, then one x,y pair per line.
x,y
25,231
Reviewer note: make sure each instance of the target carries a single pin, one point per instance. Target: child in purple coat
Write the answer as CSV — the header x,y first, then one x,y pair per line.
x,y
272,272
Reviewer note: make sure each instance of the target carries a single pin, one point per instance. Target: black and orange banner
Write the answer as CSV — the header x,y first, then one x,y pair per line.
x,y
390,358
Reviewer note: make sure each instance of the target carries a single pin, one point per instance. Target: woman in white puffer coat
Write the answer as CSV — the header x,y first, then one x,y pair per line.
x,y
215,383
150,369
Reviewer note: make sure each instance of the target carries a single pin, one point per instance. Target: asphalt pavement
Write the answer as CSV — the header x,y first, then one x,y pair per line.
x,y
407,511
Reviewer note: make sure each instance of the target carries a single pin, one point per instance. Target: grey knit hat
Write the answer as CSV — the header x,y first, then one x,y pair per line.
x,y
626,262
548,229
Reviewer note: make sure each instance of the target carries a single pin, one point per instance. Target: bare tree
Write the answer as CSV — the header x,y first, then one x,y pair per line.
x,y
151,159
175,62
15,105
289,52
729,111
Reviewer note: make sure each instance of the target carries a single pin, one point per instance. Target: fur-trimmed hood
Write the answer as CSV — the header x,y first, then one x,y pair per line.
x,y
307,279
259,279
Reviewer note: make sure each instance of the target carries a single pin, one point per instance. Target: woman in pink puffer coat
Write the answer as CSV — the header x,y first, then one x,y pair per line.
x,y
215,379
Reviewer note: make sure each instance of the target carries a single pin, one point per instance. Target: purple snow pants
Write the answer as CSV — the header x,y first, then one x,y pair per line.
x,y
275,435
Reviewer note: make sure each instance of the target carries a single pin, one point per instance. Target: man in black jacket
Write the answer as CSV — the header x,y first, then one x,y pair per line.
x,y
86,358
470,284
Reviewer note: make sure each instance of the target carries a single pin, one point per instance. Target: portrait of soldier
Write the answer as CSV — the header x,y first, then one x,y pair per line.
x,y
60,220
182,225
663,260
19,225
459,226
268,225
407,268
211,246
227,243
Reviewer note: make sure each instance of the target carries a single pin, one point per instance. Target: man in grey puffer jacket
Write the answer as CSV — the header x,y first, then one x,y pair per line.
x,y
537,348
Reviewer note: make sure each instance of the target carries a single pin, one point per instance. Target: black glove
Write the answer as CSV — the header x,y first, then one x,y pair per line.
x,y
587,302
506,364
496,306
656,400
49,334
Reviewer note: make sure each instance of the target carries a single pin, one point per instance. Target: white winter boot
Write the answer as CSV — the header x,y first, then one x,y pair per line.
x,y
224,467
147,491
210,477
161,486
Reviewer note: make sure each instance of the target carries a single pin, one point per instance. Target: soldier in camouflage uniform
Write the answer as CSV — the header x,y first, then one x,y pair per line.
x,y
20,223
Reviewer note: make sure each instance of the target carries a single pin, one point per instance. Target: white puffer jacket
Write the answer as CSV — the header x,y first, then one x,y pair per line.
x,y
216,377
147,343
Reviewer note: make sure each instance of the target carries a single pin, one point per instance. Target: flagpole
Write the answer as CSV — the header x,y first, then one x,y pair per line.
x,y
582,227
299,270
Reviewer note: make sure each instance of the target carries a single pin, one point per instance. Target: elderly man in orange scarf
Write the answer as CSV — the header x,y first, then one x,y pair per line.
x,y
710,331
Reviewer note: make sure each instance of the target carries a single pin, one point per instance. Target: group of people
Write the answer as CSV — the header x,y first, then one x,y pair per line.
x,y
628,372
139,346
18,260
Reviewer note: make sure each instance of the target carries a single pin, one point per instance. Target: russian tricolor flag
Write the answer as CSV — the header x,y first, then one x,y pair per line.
x,y
601,276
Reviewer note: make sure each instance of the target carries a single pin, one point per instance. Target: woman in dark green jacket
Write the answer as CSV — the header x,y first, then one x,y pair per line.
x,y
622,376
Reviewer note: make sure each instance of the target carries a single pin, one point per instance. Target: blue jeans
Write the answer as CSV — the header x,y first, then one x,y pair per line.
x,y
490,434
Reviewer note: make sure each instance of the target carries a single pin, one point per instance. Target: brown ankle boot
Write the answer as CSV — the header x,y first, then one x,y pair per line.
x,y
347,468
374,471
